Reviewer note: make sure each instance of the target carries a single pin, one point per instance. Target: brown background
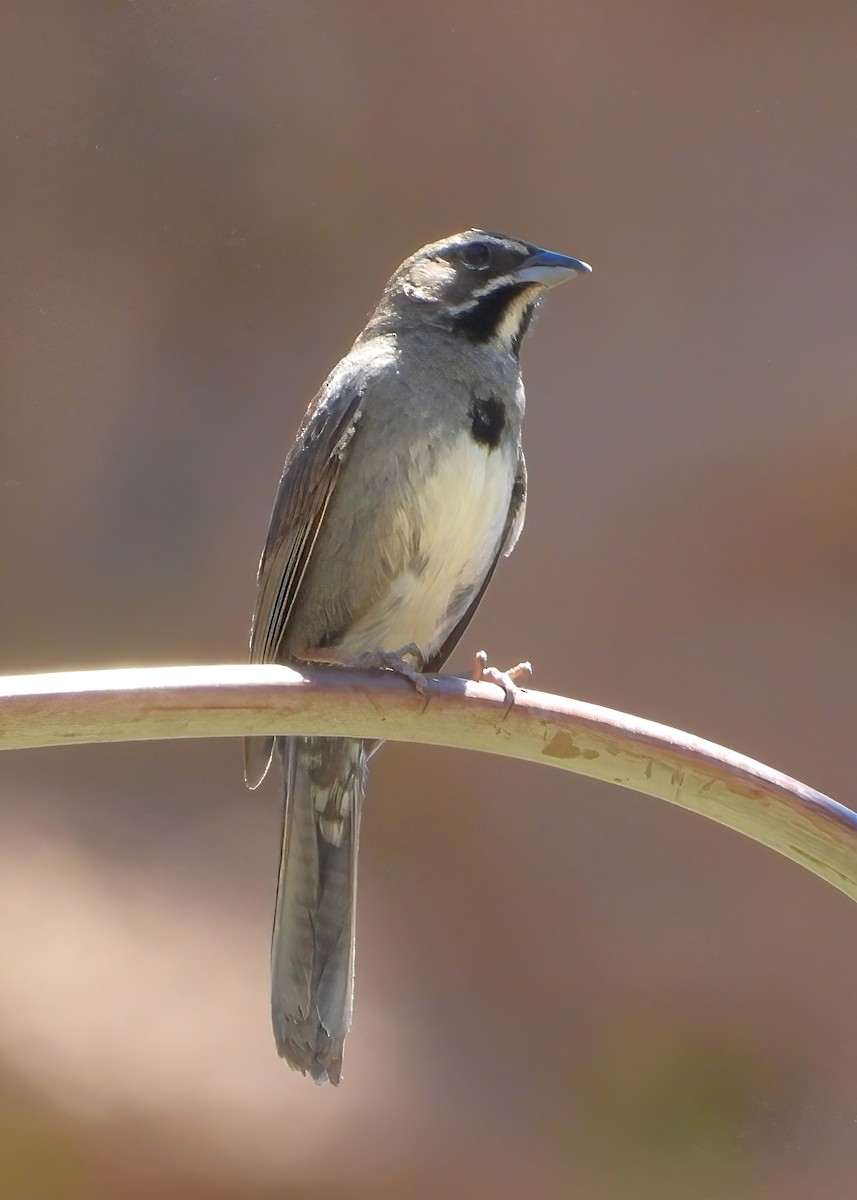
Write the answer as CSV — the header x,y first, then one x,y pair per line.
x,y
564,990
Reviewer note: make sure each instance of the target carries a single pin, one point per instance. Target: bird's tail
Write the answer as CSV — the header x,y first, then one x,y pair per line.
x,y
312,951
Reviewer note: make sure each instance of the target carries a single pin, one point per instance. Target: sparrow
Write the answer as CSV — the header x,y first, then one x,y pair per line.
x,y
404,487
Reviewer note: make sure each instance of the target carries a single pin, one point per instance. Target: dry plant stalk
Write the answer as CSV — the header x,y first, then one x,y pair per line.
x,y
230,701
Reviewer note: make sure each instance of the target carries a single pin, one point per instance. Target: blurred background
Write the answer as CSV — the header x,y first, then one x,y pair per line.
x,y
564,990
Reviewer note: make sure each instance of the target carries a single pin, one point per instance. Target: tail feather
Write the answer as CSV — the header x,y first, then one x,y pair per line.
x,y
312,951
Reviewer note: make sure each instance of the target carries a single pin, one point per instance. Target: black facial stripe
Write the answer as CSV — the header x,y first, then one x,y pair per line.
x,y
487,421
526,317
481,322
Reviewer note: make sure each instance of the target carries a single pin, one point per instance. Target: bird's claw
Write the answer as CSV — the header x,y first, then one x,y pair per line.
x,y
397,661
507,680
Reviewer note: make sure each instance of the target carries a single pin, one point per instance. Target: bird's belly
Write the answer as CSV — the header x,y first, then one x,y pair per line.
x,y
455,521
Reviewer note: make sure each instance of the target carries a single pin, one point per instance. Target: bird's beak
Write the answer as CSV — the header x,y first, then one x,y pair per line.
x,y
548,269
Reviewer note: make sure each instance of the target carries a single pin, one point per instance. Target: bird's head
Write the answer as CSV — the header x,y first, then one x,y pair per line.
x,y
482,285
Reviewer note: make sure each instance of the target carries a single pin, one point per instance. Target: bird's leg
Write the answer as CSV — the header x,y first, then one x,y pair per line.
x,y
507,680
397,661
373,660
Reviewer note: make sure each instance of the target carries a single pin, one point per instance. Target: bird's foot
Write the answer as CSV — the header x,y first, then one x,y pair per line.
x,y
397,661
507,680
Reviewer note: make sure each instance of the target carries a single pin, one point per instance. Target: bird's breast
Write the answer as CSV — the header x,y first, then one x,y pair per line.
x,y
448,525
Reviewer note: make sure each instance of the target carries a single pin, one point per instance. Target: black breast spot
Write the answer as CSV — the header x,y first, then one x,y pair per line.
x,y
487,421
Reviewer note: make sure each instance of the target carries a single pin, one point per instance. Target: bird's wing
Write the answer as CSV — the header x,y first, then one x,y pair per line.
x,y
511,533
309,478
517,509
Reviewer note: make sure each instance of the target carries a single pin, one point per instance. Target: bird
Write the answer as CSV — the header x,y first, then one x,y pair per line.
x,y
404,487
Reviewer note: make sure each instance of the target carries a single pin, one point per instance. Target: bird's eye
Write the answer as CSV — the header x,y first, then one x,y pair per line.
x,y
476,255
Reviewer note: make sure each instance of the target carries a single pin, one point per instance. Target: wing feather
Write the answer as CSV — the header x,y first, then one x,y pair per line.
x,y
309,478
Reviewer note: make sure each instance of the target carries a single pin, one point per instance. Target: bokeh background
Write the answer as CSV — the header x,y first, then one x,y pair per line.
x,y
564,990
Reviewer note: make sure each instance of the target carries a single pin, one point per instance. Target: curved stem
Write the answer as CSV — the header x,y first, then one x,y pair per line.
x,y
228,701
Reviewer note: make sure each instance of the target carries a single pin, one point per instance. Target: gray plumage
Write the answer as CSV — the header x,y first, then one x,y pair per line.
x,y
405,485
